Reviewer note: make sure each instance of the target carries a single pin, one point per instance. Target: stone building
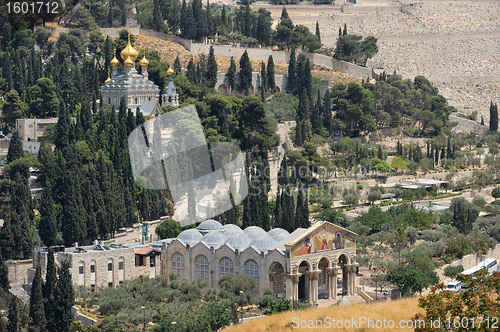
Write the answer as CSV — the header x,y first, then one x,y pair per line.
x,y
314,263
32,129
170,97
103,265
135,87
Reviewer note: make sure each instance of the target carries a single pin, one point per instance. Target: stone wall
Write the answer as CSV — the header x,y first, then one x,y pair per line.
x,y
86,321
357,9
470,261
18,270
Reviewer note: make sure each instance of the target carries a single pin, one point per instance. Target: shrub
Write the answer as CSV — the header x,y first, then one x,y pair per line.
x,y
452,271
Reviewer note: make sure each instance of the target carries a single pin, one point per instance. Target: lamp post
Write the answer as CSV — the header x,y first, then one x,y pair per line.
x,y
144,327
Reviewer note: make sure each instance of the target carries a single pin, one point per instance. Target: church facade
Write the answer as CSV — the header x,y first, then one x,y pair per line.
x,y
315,263
137,89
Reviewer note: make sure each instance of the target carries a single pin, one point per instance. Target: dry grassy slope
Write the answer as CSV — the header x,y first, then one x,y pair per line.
x,y
170,50
403,309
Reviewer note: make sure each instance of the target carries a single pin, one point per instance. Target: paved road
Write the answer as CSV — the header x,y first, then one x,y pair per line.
x,y
18,290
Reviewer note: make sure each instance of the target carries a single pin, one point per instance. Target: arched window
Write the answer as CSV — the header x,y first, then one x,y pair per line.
x,y
136,100
110,264
178,264
121,270
252,270
81,273
92,267
201,268
109,101
226,266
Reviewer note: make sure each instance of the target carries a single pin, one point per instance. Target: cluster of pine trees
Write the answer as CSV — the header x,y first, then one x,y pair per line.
x,y
353,48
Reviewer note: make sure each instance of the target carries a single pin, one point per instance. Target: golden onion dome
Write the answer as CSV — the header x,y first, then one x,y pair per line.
x,y
128,62
144,62
108,79
129,51
114,62
170,71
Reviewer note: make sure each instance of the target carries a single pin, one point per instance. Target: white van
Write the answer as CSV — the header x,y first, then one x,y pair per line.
x,y
454,286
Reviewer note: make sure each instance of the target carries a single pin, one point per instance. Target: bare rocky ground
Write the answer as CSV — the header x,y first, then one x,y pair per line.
x,y
454,43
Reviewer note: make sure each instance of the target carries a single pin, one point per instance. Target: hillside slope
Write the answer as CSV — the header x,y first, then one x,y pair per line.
x,y
400,310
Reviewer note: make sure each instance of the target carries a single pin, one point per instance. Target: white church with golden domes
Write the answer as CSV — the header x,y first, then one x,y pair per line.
x,y
137,89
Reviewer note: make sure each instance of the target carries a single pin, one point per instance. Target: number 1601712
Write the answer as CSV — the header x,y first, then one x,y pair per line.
x,y
32,7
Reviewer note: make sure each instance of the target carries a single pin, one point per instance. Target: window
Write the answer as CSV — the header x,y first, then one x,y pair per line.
x,y
252,270
136,100
226,266
121,265
178,264
109,100
92,288
110,284
120,282
80,268
92,267
201,267
110,266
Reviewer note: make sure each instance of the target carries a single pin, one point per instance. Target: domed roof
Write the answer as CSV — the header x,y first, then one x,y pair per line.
x,y
190,236
239,241
254,232
170,71
231,229
114,62
144,62
128,62
129,51
264,242
278,234
209,225
343,301
215,239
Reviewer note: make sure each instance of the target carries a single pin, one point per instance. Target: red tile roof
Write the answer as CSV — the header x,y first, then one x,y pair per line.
x,y
143,251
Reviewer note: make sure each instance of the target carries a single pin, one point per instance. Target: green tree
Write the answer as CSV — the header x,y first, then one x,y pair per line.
x,y
317,32
14,319
168,229
211,76
15,148
302,210
43,98
37,312
245,72
463,214
231,74
4,275
65,297
12,108
292,72
493,116
495,192
478,303
47,228
452,271
270,74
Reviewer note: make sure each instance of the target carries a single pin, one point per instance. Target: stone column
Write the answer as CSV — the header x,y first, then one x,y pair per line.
x,y
353,277
296,279
347,283
314,285
332,282
290,289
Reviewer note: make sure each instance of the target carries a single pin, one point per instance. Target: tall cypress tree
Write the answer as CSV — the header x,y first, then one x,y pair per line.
x,y
15,148
65,297
270,74
63,128
493,117
13,316
292,71
4,274
211,76
317,32
37,312
47,227
326,112
231,74
157,19
262,76
191,72
316,121
245,72
302,210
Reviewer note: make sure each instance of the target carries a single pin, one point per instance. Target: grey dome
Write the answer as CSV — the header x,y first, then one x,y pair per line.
x,y
343,301
278,234
254,232
209,225
215,239
264,242
239,241
231,229
190,236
